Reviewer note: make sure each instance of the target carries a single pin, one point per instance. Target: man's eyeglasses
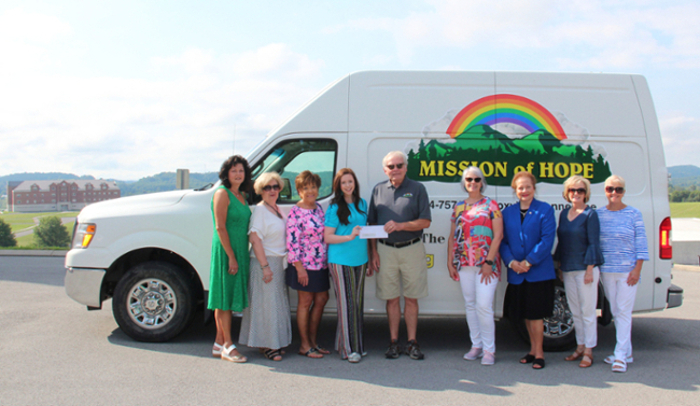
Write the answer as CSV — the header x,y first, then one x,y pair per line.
x,y
580,191
271,187
391,166
618,190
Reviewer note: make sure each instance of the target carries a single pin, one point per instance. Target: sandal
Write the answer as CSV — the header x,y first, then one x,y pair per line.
x,y
575,356
216,350
587,361
528,358
273,355
619,366
227,355
322,350
538,363
311,353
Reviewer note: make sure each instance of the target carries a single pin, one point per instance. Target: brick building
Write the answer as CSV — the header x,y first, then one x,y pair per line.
x,y
58,195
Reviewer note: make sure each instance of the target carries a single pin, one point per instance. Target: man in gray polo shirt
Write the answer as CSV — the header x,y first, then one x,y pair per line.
x,y
403,207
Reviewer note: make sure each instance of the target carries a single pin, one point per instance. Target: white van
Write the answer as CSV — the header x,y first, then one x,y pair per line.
x,y
151,253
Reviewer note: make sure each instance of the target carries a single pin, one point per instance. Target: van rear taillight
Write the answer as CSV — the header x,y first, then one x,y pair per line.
x,y
665,248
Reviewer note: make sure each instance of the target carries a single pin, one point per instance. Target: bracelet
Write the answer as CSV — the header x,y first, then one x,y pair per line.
x,y
266,266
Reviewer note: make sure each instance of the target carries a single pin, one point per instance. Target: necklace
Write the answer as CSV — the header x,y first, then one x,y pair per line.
x,y
274,209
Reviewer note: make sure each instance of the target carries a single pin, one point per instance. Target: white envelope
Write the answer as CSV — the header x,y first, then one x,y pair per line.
x,y
373,232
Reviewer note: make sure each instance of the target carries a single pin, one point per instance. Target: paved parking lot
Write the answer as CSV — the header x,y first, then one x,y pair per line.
x,y
53,351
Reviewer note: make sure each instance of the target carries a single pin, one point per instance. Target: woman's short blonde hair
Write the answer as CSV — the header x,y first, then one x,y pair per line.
x,y
615,178
569,183
524,174
265,179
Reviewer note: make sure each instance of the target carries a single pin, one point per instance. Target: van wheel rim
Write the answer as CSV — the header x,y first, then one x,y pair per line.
x,y
151,303
562,322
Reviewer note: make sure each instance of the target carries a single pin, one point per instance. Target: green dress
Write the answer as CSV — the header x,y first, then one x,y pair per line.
x,y
226,291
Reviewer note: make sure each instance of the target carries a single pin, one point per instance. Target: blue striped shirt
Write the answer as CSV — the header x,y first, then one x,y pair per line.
x,y
622,239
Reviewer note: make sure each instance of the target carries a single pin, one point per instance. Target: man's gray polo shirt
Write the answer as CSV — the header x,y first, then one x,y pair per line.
x,y
407,203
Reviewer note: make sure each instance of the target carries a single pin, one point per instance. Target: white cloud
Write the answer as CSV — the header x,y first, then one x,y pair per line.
x,y
126,128
597,34
680,138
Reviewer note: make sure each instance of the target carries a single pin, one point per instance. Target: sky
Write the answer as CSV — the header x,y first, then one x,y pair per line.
x,y
127,89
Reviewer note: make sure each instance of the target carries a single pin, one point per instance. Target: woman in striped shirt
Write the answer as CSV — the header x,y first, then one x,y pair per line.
x,y
623,242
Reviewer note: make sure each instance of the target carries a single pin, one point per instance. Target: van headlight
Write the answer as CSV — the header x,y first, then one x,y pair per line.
x,y
83,235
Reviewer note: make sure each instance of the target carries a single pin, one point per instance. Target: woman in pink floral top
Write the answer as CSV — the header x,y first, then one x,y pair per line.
x,y
472,259
308,268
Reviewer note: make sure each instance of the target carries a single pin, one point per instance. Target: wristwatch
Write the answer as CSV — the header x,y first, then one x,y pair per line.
x,y
489,262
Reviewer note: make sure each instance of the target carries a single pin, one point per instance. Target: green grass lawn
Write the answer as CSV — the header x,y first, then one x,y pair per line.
x,y
22,221
685,210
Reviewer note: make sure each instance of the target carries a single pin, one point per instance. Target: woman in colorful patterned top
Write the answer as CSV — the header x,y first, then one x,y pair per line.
x,y
308,269
472,259
579,256
623,241
347,261
228,277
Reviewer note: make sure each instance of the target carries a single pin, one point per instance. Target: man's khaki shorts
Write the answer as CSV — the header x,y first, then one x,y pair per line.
x,y
402,266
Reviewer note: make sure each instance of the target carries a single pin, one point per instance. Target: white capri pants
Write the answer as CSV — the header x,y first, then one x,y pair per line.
x,y
582,300
478,300
621,297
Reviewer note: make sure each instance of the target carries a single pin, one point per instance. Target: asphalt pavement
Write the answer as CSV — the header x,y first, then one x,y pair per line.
x,y
55,352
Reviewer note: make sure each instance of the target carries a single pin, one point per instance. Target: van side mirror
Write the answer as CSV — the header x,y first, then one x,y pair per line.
x,y
286,192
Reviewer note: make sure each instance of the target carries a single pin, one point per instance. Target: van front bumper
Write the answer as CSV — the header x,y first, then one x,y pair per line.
x,y
675,296
84,285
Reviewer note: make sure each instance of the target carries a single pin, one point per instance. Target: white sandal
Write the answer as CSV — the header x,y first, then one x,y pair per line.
x,y
216,350
619,366
227,355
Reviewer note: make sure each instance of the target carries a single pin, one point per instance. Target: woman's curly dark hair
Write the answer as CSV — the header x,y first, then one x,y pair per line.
x,y
230,163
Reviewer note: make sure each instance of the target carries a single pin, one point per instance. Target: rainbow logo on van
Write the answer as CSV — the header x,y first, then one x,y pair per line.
x,y
504,134
506,108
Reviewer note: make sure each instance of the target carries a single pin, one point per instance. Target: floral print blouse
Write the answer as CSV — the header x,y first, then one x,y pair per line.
x,y
473,233
305,238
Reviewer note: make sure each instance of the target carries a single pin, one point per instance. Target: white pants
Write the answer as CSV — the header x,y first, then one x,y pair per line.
x,y
478,299
582,300
621,298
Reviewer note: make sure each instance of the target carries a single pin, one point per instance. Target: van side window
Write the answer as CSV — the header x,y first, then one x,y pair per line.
x,y
290,158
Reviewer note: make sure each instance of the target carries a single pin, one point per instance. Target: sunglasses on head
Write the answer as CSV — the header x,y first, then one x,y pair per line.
x,y
580,191
271,187
618,189
391,167
475,180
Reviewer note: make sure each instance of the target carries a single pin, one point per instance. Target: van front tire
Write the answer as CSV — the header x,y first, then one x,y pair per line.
x,y
153,302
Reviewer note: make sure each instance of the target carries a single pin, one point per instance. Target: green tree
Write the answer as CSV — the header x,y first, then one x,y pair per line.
x,y
51,233
7,239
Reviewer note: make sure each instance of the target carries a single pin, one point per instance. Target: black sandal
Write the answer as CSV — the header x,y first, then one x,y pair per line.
x,y
538,363
527,359
272,354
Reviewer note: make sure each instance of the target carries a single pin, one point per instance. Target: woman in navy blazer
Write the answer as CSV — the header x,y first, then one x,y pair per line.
x,y
529,228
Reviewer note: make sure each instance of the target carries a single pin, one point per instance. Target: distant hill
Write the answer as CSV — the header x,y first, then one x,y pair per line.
x,y
163,182
683,176
684,171
37,176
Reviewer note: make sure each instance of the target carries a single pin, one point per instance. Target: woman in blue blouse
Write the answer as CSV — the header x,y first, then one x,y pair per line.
x,y
579,256
347,261
529,228
623,241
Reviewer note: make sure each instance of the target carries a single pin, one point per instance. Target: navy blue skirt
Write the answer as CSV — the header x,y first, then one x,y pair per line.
x,y
531,300
318,280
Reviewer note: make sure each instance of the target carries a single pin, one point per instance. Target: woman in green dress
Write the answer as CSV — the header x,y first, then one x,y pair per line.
x,y
228,278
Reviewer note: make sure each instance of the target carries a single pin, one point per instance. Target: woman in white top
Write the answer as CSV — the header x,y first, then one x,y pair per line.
x,y
266,322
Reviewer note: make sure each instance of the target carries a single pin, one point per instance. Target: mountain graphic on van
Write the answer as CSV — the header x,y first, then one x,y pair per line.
x,y
475,142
